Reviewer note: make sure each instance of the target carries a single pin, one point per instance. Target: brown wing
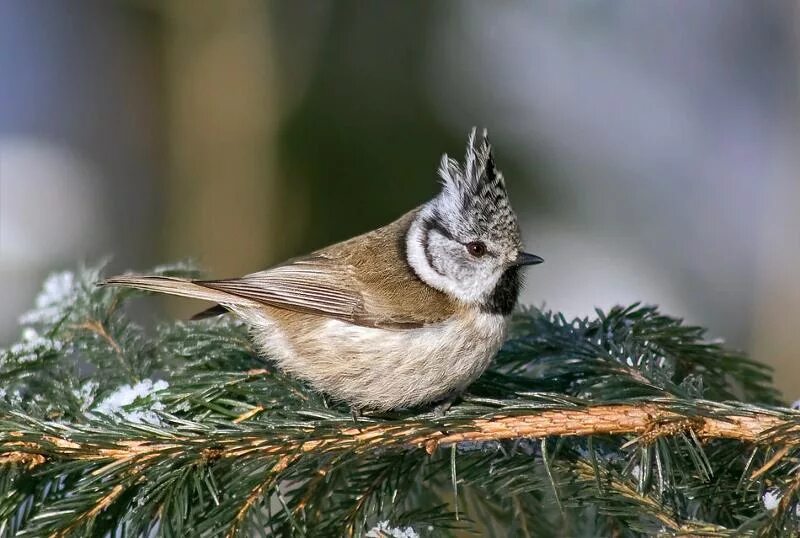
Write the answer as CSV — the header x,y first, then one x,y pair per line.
x,y
365,281
312,285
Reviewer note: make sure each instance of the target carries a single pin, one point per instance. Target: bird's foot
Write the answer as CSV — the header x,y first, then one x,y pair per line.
x,y
444,406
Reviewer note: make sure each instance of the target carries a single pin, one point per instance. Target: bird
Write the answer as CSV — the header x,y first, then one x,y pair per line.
x,y
406,315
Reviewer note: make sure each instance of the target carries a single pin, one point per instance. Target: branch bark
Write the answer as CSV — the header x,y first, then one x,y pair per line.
x,y
648,421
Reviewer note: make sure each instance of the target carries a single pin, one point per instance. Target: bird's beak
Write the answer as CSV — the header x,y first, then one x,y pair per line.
x,y
523,258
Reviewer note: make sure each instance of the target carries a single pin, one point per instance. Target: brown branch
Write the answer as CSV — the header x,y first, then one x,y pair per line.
x,y
99,329
648,421
104,502
256,494
787,497
778,456
654,507
25,459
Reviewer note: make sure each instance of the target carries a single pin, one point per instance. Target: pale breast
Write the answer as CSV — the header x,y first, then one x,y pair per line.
x,y
378,368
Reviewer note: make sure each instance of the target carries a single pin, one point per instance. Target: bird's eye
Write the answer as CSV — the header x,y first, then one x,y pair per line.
x,y
476,248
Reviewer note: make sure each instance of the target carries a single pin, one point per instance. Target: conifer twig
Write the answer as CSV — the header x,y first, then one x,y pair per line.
x,y
649,421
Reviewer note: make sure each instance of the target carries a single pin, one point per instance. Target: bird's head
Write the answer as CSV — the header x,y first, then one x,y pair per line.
x,y
466,242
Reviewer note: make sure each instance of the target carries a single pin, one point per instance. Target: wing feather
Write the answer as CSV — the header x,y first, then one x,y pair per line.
x,y
318,286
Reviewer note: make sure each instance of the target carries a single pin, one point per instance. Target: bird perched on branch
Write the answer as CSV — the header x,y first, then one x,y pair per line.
x,y
405,315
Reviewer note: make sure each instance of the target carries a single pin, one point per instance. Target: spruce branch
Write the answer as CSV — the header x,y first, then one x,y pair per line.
x,y
35,443
106,427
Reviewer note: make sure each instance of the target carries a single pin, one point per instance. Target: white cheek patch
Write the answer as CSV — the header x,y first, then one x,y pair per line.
x,y
418,260
444,277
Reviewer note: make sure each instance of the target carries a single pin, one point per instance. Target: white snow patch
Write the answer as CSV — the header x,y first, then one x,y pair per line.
x,y
57,288
31,346
29,334
771,499
636,472
126,395
385,530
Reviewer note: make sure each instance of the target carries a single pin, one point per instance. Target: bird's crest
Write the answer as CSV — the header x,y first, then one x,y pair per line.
x,y
478,177
476,190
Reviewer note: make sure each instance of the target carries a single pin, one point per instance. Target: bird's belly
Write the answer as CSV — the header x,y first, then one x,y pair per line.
x,y
386,369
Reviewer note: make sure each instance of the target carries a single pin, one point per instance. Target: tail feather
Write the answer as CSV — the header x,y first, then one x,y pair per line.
x,y
176,286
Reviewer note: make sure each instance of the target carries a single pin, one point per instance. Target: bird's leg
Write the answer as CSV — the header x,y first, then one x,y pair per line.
x,y
444,405
356,413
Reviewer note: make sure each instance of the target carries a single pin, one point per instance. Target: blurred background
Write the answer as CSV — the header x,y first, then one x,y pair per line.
x,y
651,148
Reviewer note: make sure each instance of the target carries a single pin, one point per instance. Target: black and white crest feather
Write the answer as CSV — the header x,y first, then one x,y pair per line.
x,y
475,193
478,177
